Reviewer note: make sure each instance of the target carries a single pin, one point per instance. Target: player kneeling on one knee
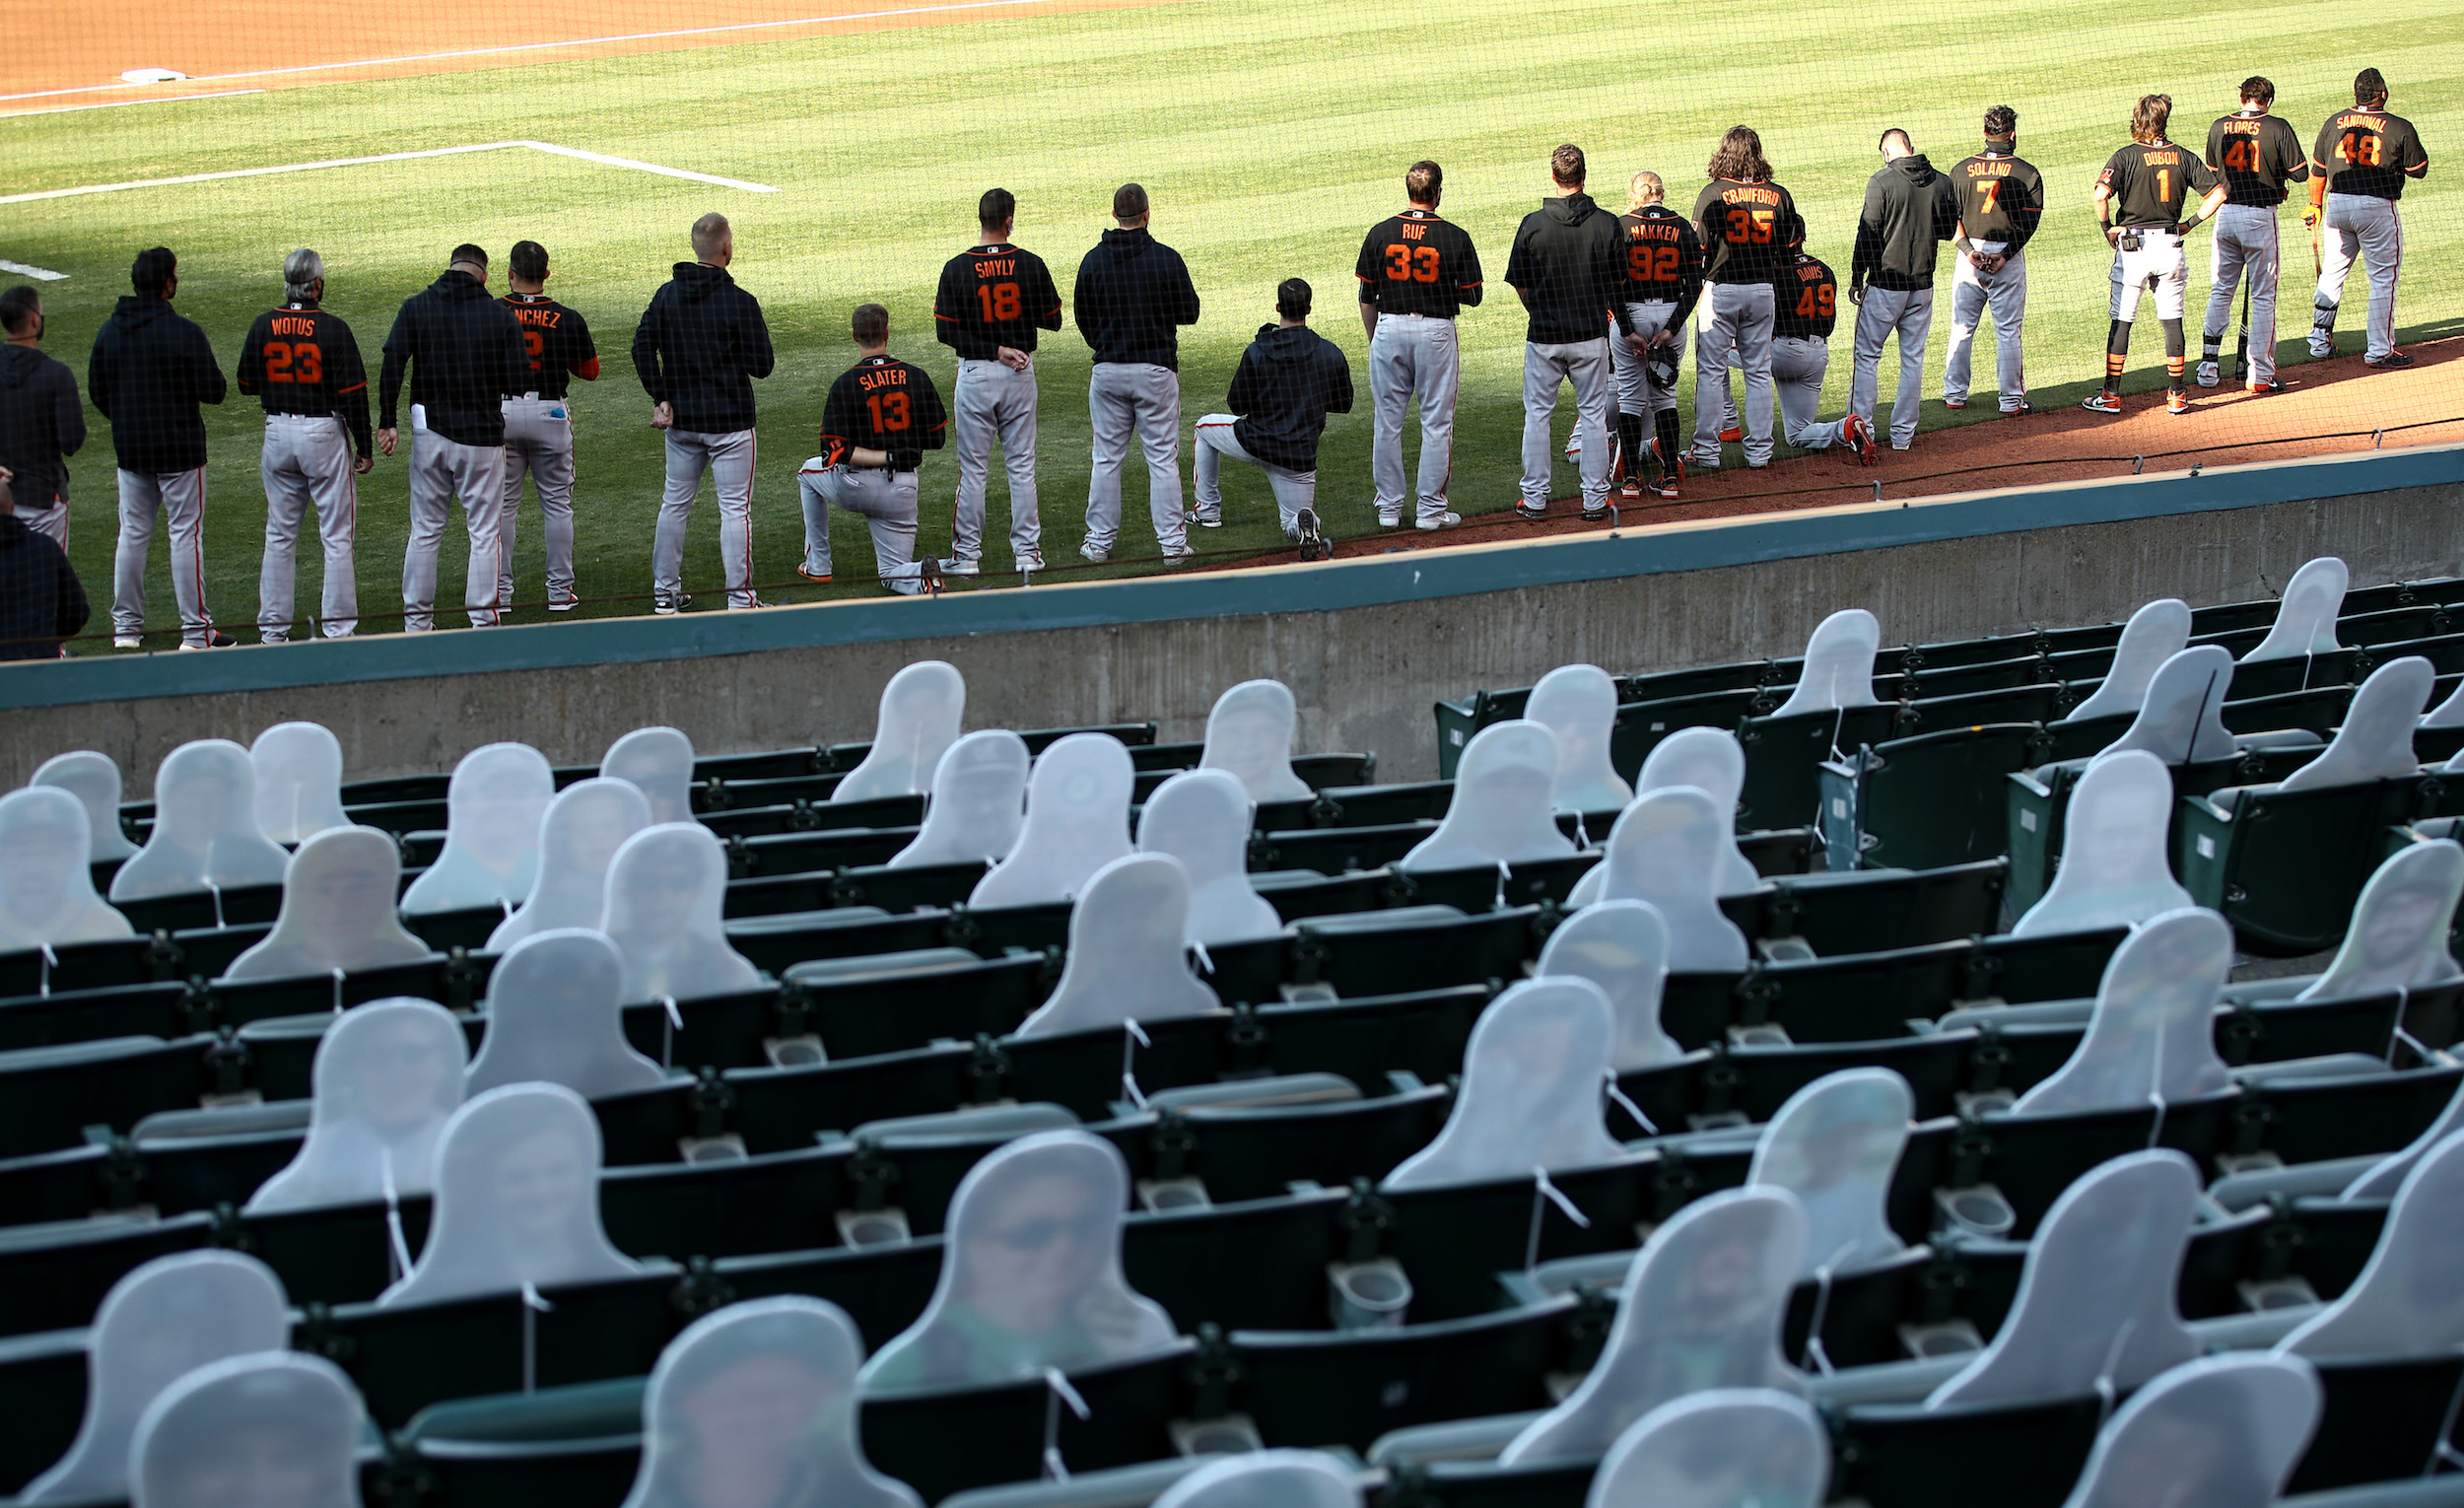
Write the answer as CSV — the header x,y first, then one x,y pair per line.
x,y
2139,202
879,419
1289,380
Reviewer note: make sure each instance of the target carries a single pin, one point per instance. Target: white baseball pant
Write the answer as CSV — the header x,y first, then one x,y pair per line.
x,y
884,500
1974,295
539,441
442,471
1545,367
306,466
1731,318
2247,245
178,499
2371,228
1635,394
1408,354
1293,490
1908,315
1123,397
730,460
2157,268
992,399
1798,366
51,520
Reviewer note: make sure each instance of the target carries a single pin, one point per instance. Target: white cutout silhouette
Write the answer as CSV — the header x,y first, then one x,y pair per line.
x,y
2222,1432
2181,718
586,824
666,892
1839,665
95,782
47,882
1266,1480
1202,817
277,1430
492,811
2398,940
1531,1092
1622,946
2114,871
1579,704
1713,762
2152,1032
2095,1300
1721,1448
754,1406
1701,1309
1249,735
205,831
2387,1175
1504,807
977,805
337,910
1030,1273
2407,1301
1667,849
2448,714
518,1200
2153,634
555,1016
657,761
921,710
388,1075
1128,953
299,781
1836,1144
160,1321
2305,620
2375,742
1077,821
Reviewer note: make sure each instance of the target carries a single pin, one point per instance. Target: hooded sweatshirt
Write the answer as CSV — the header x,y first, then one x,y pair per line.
x,y
1910,208
41,422
1569,263
1132,294
149,371
1289,380
465,355
699,347
40,602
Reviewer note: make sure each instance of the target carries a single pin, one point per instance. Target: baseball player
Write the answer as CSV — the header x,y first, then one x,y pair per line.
x,y
993,299
1910,209
149,371
41,421
1806,308
303,366
1749,229
1131,295
540,424
1663,281
1417,272
2001,199
1568,267
2256,154
2357,175
464,352
2139,202
698,350
1289,380
882,414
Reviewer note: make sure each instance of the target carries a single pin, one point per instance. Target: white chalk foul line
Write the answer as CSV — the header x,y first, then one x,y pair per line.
x,y
392,157
120,104
43,274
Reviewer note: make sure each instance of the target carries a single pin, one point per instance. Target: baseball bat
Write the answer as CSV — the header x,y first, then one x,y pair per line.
x,y
2242,346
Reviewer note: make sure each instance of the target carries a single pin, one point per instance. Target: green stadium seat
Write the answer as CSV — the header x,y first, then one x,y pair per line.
x,y
1934,799
1131,1409
2286,866
48,1096
779,1202
1723,1085
775,943
1784,757
2314,709
1486,1485
1414,948
1247,1153
1860,910
578,1446
882,1288
860,1008
201,910
1296,894
2028,1160
2286,1253
114,1011
1909,1456
1350,1387
773,1109
1252,1264
808,853
1481,888
1640,726
399,787
1337,851
2380,1419
51,1272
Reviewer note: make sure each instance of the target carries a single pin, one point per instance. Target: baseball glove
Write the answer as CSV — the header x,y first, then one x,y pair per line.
x,y
1661,368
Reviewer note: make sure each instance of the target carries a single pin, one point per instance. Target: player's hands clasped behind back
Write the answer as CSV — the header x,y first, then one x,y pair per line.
x,y
385,440
362,465
1014,359
662,416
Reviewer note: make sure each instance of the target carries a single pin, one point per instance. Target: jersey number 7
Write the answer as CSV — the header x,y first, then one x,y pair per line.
x,y
1989,192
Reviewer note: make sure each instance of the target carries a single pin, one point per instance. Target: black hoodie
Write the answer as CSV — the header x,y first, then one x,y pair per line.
x,y
1289,380
40,602
1569,263
699,347
1910,209
466,357
1132,294
149,371
41,423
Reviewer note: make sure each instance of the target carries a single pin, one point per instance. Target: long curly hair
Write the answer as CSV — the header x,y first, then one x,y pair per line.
x,y
1740,157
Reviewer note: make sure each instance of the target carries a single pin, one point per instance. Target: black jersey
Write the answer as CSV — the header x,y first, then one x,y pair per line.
x,y
1416,263
1662,261
1749,231
882,403
558,341
993,296
2369,152
2256,156
301,359
1805,301
2001,198
2151,181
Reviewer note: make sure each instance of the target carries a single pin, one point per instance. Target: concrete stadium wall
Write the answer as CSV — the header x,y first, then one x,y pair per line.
x,y
1365,644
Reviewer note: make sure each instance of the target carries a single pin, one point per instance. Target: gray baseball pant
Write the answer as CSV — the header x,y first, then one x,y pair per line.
x,y
1798,366
539,441
2371,228
1585,364
442,471
730,460
1731,318
306,466
1408,354
992,399
1123,396
2246,244
1635,394
1908,314
1215,440
1974,295
50,521
177,498
884,500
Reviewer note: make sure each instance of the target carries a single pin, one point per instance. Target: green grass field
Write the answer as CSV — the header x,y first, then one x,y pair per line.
x,y
1271,133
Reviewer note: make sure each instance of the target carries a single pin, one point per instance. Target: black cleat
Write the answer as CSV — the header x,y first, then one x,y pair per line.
x,y
1312,541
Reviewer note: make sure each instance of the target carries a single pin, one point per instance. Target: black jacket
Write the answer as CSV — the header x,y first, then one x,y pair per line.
x,y
40,602
1910,209
1132,294
465,355
149,371
699,347
40,423
1569,261
1289,380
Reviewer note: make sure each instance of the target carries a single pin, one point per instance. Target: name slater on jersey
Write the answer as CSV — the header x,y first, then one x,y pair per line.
x,y
1750,194
997,267
294,325
881,376
1987,170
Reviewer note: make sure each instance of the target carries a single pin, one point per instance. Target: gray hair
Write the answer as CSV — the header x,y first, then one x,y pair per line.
x,y
301,271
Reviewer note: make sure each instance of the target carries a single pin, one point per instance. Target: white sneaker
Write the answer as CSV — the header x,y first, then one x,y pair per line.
x,y
1441,521
962,566
2208,375
1033,560
1392,520
1095,552
128,642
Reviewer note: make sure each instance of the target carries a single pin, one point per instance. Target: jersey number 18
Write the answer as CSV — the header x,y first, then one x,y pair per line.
x,y
1000,301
